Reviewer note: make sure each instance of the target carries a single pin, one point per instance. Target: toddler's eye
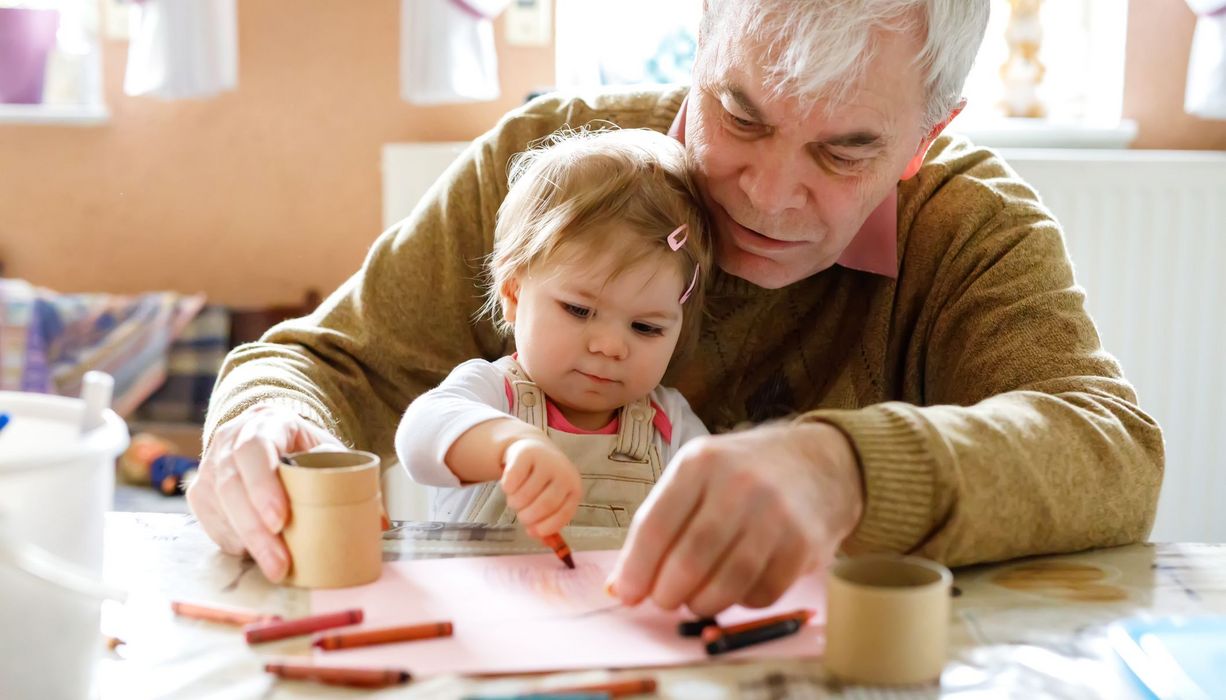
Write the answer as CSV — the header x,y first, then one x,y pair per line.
x,y
576,311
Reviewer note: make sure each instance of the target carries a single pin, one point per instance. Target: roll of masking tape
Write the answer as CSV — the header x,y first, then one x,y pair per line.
x,y
335,530
887,620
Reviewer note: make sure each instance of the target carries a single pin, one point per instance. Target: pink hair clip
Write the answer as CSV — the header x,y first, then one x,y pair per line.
x,y
676,239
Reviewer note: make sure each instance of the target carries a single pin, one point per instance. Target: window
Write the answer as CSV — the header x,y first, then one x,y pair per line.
x,y
50,62
625,43
1082,48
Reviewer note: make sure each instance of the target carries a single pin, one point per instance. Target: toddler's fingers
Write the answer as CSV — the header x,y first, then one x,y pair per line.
x,y
517,471
546,504
555,521
530,489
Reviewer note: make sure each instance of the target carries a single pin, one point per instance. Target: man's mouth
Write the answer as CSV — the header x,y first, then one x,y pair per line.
x,y
753,239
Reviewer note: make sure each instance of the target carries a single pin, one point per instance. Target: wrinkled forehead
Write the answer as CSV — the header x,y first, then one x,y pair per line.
x,y
810,61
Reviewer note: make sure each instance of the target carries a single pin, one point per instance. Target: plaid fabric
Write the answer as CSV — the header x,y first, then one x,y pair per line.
x,y
193,362
48,341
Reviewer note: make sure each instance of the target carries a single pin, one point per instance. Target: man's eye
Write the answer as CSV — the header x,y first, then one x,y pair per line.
x,y
646,329
576,311
845,163
742,124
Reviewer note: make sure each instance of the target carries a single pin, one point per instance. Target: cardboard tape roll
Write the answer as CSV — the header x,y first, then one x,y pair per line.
x,y
887,620
334,532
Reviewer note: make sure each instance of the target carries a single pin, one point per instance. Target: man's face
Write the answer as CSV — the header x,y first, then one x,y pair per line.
x,y
790,182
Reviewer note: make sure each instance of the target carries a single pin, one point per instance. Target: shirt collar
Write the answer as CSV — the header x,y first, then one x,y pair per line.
x,y
873,249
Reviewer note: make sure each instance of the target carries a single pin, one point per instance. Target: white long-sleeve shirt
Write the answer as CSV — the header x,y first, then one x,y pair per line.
x,y
478,391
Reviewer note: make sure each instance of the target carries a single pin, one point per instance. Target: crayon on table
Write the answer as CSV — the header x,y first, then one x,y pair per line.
x,y
271,631
224,615
4,420
560,548
542,696
756,635
711,633
694,628
353,677
386,635
614,689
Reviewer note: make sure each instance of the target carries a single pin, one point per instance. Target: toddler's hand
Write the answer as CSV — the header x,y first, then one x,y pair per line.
x,y
541,484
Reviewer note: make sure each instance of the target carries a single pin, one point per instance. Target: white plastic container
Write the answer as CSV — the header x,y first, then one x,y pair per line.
x,y
57,480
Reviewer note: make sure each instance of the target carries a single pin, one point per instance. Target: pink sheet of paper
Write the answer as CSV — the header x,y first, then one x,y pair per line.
x,y
525,613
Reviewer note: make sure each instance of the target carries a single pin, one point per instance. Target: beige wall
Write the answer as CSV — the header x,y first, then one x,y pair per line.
x,y
259,194
253,196
1159,38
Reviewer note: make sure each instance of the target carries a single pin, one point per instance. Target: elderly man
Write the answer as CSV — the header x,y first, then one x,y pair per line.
x,y
903,300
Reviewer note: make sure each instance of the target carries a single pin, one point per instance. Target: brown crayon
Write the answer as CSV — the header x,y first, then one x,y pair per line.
x,y
713,632
271,631
560,548
386,635
224,615
614,689
353,677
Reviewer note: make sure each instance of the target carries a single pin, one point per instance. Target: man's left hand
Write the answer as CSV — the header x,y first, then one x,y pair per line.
x,y
739,517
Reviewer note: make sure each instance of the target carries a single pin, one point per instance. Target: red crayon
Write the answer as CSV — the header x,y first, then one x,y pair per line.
x,y
614,689
560,548
224,615
714,632
353,677
386,635
271,631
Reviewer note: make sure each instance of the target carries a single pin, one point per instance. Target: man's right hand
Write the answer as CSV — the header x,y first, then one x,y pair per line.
x,y
237,496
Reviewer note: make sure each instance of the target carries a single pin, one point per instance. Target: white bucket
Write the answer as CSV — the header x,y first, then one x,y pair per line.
x,y
56,483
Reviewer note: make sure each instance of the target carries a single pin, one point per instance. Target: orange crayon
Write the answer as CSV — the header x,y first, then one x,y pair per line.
x,y
560,548
386,635
224,615
714,632
271,631
353,677
614,689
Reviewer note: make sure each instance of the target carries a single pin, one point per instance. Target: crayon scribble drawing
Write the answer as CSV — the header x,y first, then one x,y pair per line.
x,y
525,613
581,588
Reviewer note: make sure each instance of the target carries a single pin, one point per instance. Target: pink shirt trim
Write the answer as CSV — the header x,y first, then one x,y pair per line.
x,y
554,419
873,249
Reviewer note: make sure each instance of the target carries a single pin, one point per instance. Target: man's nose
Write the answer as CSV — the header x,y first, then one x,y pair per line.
x,y
773,185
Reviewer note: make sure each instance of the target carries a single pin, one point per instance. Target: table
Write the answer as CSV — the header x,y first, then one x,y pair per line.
x,y
1024,628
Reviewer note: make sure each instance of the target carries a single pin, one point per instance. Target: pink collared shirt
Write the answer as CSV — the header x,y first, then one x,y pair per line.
x,y
874,249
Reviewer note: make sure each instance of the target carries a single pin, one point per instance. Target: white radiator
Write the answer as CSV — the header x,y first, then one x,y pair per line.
x,y
1147,233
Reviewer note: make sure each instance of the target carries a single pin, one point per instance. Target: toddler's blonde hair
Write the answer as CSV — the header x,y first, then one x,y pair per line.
x,y
567,193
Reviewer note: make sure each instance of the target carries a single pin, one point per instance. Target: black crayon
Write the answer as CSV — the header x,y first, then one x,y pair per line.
x,y
694,628
757,635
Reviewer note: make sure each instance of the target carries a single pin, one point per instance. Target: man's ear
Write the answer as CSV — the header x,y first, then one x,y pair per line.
x,y
917,162
509,293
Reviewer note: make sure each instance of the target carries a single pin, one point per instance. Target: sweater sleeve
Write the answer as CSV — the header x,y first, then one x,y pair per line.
x,y
1027,438
472,394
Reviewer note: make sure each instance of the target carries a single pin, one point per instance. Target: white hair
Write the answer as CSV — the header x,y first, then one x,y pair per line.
x,y
820,47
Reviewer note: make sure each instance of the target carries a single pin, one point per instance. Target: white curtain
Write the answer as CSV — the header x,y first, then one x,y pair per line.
x,y
447,51
182,48
1205,95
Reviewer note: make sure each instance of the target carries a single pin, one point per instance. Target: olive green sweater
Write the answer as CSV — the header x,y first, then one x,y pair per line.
x,y
988,421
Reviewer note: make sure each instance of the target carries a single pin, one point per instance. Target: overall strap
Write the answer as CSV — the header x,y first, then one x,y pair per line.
x,y
635,431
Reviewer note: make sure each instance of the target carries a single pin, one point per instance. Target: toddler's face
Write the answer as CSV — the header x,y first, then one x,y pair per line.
x,y
592,342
